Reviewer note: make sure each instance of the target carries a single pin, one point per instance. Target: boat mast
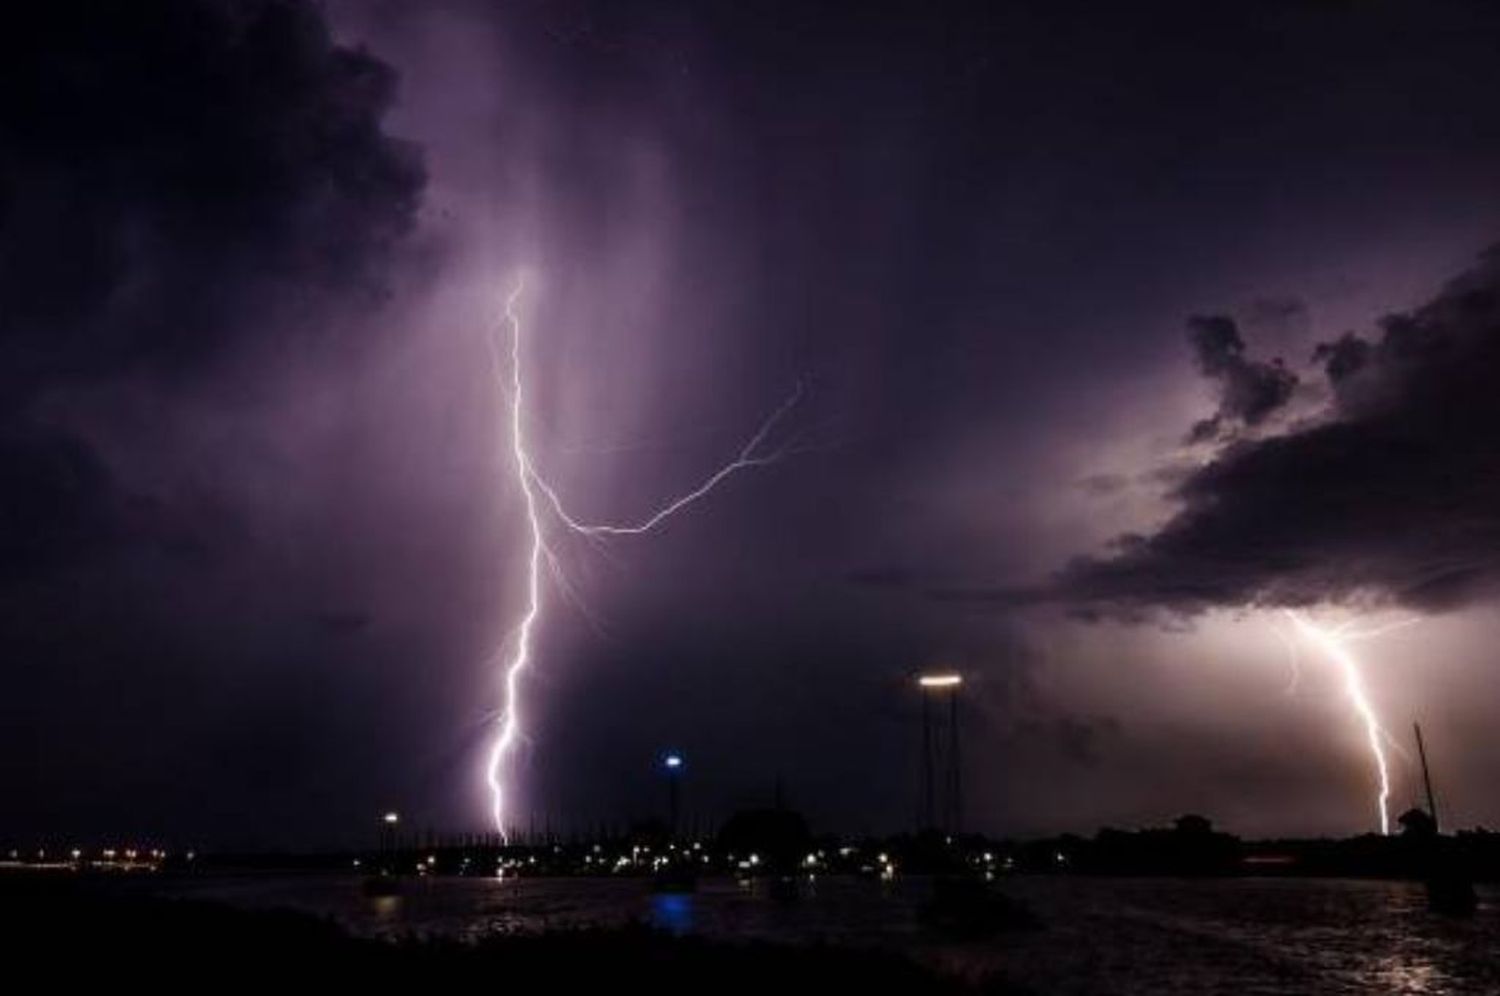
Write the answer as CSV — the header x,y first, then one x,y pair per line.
x,y
1426,777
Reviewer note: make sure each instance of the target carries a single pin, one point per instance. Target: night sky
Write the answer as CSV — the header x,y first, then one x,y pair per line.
x,y
1119,329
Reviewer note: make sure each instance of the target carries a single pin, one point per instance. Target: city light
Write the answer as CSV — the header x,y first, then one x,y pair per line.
x,y
673,761
391,818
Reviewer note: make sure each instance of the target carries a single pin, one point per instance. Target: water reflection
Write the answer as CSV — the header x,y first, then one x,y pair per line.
x,y
672,912
1132,937
386,908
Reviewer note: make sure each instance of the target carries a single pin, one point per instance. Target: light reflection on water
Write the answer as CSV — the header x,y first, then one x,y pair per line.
x,y
1142,936
386,908
672,912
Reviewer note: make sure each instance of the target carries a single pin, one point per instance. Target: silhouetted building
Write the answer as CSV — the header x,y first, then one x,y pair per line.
x,y
1417,823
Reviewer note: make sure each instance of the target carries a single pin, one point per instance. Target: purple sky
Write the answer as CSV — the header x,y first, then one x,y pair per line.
x,y
261,537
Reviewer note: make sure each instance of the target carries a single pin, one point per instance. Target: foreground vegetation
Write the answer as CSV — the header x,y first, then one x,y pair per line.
x,y
75,927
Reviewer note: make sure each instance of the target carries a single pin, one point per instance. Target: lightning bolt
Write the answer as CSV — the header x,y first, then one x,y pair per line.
x,y
1333,642
749,456
540,498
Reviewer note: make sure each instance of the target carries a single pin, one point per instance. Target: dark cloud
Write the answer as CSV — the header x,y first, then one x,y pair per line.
x,y
198,206
1394,495
179,184
1343,357
1249,390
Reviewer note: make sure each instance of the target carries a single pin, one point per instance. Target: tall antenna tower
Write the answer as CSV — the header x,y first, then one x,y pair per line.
x,y
942,779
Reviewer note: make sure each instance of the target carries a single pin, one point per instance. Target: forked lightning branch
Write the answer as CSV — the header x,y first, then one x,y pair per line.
x,y
544,511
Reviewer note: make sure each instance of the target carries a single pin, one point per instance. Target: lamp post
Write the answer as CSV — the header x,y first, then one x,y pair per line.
x,y
387,840
932,684
673,764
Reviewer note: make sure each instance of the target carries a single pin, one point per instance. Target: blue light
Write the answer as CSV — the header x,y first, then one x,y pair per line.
x,y
672,911
673,761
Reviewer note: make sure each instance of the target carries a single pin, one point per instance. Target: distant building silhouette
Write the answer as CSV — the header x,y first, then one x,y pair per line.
x,y
1417,823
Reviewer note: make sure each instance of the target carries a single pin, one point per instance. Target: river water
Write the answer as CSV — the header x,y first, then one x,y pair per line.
x,y
1120,936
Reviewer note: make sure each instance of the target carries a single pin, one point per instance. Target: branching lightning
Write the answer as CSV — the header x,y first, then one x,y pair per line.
x,y
539,497
1333,643
749,456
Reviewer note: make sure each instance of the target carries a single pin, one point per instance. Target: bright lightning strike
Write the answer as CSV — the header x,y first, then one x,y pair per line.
x,y
539,497
520,654
1333,642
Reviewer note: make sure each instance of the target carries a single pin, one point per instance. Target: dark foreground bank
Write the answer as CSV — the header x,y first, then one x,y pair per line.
x,y
77,927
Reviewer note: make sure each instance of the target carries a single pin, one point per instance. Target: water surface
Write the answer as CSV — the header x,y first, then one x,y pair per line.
x,y
1131,937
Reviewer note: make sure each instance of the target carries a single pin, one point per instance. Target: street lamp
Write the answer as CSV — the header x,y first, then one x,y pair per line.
x,y
931,684
385,842
673,764
942,680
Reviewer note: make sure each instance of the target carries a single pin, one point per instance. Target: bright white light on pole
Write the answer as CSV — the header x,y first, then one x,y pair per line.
x,y
940,680
391,818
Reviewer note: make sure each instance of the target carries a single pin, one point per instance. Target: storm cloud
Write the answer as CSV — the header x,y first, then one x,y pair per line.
x,y
198,205
1249,390
1392,494
260,541
180,186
